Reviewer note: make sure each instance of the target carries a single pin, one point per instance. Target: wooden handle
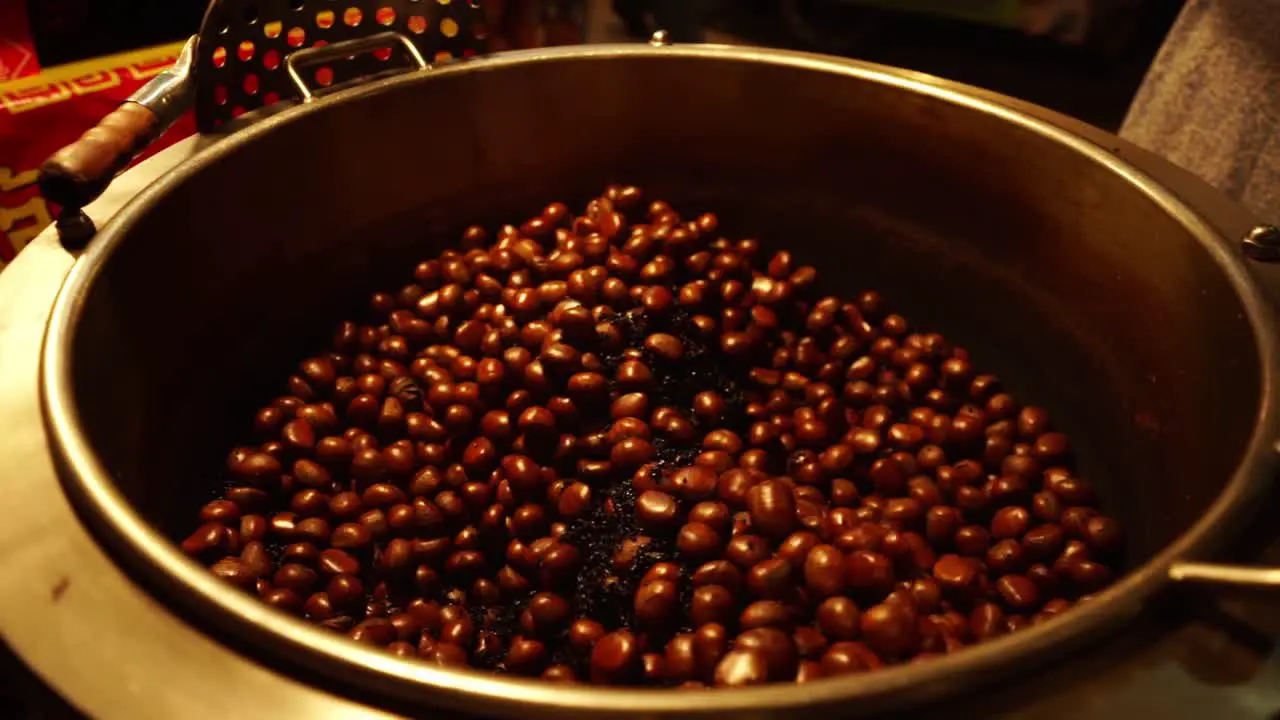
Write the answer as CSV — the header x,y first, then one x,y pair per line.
x,y
78,173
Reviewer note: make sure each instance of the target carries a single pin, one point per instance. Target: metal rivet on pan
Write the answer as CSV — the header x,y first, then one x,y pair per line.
x,y
1262,244
660,38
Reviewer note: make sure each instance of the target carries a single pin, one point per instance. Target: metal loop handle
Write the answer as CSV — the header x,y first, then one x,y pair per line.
x,y
346,48
1240,576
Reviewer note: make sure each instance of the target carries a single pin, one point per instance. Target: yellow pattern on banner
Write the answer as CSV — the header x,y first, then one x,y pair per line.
x,y
142,64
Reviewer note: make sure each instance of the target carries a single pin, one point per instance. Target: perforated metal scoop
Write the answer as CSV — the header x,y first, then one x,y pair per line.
x,y
253,53
239,61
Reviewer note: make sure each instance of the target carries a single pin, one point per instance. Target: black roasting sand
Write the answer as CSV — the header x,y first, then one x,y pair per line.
x,y
603,593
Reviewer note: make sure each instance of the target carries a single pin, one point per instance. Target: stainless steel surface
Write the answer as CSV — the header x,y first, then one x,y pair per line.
x,y
1262,243
338,50
1062,216
1232,575
243,43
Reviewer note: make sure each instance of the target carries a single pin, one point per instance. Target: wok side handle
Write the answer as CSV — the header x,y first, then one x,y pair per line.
x,y
77,174
1243,577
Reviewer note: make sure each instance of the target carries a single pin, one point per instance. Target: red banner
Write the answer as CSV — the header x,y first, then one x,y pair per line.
x,y
17,49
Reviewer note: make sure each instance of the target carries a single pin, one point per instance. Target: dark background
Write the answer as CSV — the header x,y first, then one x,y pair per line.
x,y
1094,82
68,30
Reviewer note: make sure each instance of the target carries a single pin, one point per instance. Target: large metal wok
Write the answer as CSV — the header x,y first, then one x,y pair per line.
x,y
1123,302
